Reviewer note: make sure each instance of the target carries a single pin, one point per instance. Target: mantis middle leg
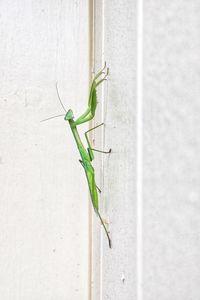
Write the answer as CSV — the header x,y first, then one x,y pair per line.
x,y
90,149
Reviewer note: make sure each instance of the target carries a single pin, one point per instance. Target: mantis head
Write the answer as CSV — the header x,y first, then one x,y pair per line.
x,y
69,115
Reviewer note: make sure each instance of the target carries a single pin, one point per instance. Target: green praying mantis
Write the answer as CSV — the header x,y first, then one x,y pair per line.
x,y
87,155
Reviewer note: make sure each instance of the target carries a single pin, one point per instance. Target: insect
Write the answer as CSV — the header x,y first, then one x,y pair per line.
x,y
87,155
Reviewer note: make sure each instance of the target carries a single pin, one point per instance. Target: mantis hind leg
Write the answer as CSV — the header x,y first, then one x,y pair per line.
x,y
106,231
90,149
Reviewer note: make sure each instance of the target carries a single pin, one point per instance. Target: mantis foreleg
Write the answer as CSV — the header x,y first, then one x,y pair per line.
x,y
92,103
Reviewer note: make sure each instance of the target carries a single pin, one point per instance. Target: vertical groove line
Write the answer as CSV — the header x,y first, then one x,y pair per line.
x,y
103,139
91,33
139,162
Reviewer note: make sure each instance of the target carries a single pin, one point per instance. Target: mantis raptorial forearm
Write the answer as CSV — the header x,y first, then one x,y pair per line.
x,y
87,155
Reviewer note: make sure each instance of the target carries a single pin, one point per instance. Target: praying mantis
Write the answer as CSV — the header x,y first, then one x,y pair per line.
x,y
87,155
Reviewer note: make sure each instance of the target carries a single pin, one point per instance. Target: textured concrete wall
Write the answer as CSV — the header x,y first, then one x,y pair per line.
x,y
44,196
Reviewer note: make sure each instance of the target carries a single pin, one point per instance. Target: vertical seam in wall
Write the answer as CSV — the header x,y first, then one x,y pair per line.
x,y
139,161
91,33
103,141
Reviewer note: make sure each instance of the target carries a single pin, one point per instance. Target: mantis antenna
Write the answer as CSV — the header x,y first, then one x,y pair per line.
x,y
52,118
60,98
61,105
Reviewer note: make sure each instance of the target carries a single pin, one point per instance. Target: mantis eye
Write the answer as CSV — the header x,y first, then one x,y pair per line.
x,y
69,115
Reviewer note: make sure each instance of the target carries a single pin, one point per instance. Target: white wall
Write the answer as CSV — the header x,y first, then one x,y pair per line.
x,y
151,180
171,150
44,196
115,42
